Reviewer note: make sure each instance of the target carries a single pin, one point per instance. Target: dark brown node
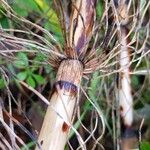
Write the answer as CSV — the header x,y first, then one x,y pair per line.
x,y
121,108
41,142
67,86
128,132
65,127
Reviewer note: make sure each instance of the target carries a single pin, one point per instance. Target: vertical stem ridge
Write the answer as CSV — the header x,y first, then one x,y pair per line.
x,y
125,96
58,118
55,127
82,22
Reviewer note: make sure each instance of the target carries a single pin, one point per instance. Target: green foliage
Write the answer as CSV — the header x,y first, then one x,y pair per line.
x,y
2,84
134,81
26,7
22,61
26,72
39,79
77,124
4,21
41,9
52,22
144,145
27,69
30,81
22,75
92,89
99,9
28,145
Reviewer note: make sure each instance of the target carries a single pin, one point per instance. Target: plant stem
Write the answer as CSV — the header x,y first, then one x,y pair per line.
x,y
55,127
58,118
125,96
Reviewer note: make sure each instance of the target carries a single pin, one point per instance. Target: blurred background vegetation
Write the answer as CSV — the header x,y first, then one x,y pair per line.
x,y
34,69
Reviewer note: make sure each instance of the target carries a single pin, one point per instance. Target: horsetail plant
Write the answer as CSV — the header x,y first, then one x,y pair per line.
x,y
59,114
73,62
74,58
125,96
124,84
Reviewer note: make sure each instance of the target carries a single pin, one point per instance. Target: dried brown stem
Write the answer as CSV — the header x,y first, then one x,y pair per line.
x,y
55,127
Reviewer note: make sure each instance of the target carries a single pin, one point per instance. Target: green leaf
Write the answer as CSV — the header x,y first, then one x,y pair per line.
x,y
22,61
39,79
144,146
11,68
30,81
20,11
23,8
93,86
22,75
134,81
2,84
29,145
39,57
47,68
99,9
52,22
94,81
36,63
4,22
23,56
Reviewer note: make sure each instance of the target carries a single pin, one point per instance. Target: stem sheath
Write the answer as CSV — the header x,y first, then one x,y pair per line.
x,y
54,131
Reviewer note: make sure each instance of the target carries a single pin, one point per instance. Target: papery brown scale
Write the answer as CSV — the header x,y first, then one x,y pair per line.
x,y
82,25
80,42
